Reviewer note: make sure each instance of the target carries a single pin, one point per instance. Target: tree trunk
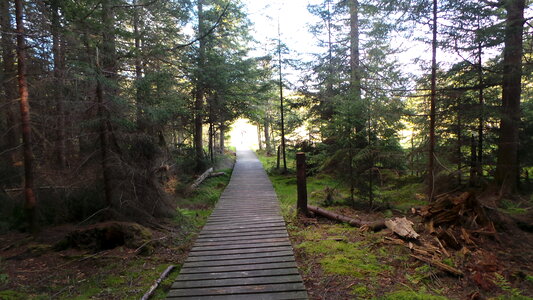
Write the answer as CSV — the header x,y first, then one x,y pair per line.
x,y
199,94
141,123
507,169
260,143
266,130
104,93
473,162
459,143
58,80
479,158
283,144
211,142
30,201
10,90
355,72
222,146
431,150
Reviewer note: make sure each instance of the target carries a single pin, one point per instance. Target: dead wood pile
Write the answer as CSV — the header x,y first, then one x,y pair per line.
x,y
457,225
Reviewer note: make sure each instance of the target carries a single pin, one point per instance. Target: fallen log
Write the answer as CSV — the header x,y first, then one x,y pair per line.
x,y
375,226
439,265
154,286
198,181
216,174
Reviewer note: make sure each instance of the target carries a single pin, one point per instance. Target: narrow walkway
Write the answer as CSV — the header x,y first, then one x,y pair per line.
x,y
243,252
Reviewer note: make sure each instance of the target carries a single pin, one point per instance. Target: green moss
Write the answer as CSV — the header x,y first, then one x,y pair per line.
x,y
13,295
361,291
342,258
411,295
421,273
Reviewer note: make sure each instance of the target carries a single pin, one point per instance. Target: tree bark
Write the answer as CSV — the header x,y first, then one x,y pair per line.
x,y
431,150
355,72
222,133
283,144
10,89
199,93
104,93
268,145
58,79
141,124
259,141
30,201
481,125
507,169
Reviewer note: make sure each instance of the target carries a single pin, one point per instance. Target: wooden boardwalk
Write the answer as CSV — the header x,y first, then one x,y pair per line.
x,y
243,252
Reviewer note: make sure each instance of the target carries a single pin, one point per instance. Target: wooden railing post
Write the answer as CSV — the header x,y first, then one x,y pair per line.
x,y
301,184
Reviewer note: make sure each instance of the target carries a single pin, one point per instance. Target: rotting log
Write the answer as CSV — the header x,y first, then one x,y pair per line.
x,y
375,225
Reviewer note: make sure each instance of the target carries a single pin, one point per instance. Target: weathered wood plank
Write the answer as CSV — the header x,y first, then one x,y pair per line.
x,y
240,256
236,281
240,246
238,274
232,290
229,235
254,240
243,251
280,265
242,261
254,296
239,238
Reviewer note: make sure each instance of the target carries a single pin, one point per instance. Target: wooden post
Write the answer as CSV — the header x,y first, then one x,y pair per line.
x,y
301,183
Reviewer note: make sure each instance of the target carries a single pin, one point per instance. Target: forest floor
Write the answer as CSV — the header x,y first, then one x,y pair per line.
x,y
338,261
30,268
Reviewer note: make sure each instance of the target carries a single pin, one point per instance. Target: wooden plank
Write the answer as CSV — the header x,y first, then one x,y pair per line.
x,y
236,281
215,231
240,256
232,290
228,235
246,223
241,261
248,226
280,265
240,246
243,251
238,274
246,237
257,240
300,295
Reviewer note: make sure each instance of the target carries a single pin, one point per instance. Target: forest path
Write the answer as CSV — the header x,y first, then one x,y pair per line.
x,y
243,252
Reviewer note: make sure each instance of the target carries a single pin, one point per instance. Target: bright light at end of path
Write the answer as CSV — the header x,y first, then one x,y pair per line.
x,y
243,134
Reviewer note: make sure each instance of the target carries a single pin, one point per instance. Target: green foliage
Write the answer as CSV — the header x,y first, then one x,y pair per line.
x,y
505,286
